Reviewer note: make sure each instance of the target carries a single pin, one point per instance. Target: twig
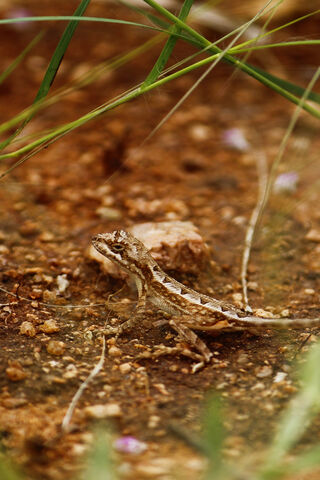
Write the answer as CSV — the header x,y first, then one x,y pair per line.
x,y
263,179
94,372
263,199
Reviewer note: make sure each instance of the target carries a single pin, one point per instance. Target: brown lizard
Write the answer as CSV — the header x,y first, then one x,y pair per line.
x,y
190,310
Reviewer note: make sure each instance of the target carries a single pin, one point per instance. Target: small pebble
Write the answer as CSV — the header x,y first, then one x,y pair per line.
x,y
239,220
286,183
227,213
29,228
253,286
269,407
313,235
309,291
103,411
62,283
155,468
162,388
280,376
125,368
234,138
108,213
260,312
196,464
13,402
46,237
263,372
27,328
154,421
200,132
107,388
258,386
237,297
15,372
129,444
114,351
49,296
78,449
71,371
243,358
49,326
56,347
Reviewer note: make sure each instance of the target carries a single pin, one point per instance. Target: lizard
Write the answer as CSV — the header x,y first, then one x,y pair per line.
x,y
189,309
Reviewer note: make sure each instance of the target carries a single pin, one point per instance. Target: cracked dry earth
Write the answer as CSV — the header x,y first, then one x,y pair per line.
x,y
98,179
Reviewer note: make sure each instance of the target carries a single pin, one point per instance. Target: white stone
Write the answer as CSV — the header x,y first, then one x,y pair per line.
x,y
103,411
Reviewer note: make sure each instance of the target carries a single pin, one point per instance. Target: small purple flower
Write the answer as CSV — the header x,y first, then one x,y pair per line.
x,y
286,183
235,139
129,445
20,13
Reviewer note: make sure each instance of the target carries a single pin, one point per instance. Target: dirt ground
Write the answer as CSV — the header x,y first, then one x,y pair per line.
x,y
99,178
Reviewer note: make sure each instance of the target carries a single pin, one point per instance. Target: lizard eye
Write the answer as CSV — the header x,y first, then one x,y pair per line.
x,y
117,247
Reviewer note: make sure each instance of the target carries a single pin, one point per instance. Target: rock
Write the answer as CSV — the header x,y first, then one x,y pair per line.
x,y
263,372
108,213
103,411
125,368
49,326
114,351
286,183
128,444
62,283
15,372
28,329
313,235
56,347
12,402
175,245
309,291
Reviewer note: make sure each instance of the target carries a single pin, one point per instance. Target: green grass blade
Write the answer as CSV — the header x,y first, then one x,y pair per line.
x,y
214,436
281,27
298,415
100,465
7,472
288,86
20,57
132,94
59,52
152,18
51,70
169,46
109,65
258,74
7,72
163,26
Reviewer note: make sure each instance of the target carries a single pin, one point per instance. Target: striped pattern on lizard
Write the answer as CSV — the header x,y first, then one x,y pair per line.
x,y
190,310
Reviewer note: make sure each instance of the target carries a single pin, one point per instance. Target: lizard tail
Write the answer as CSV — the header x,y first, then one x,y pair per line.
x,y
279,322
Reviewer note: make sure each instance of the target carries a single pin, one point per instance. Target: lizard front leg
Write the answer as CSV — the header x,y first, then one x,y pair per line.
x,y
136,315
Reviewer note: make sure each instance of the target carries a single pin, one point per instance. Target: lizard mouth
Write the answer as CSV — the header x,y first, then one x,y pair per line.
x,y
99,243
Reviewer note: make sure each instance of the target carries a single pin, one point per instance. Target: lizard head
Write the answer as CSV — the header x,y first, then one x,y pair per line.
x,y
123,248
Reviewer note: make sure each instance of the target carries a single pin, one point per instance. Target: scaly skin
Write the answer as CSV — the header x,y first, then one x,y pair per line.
x,y
191,310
